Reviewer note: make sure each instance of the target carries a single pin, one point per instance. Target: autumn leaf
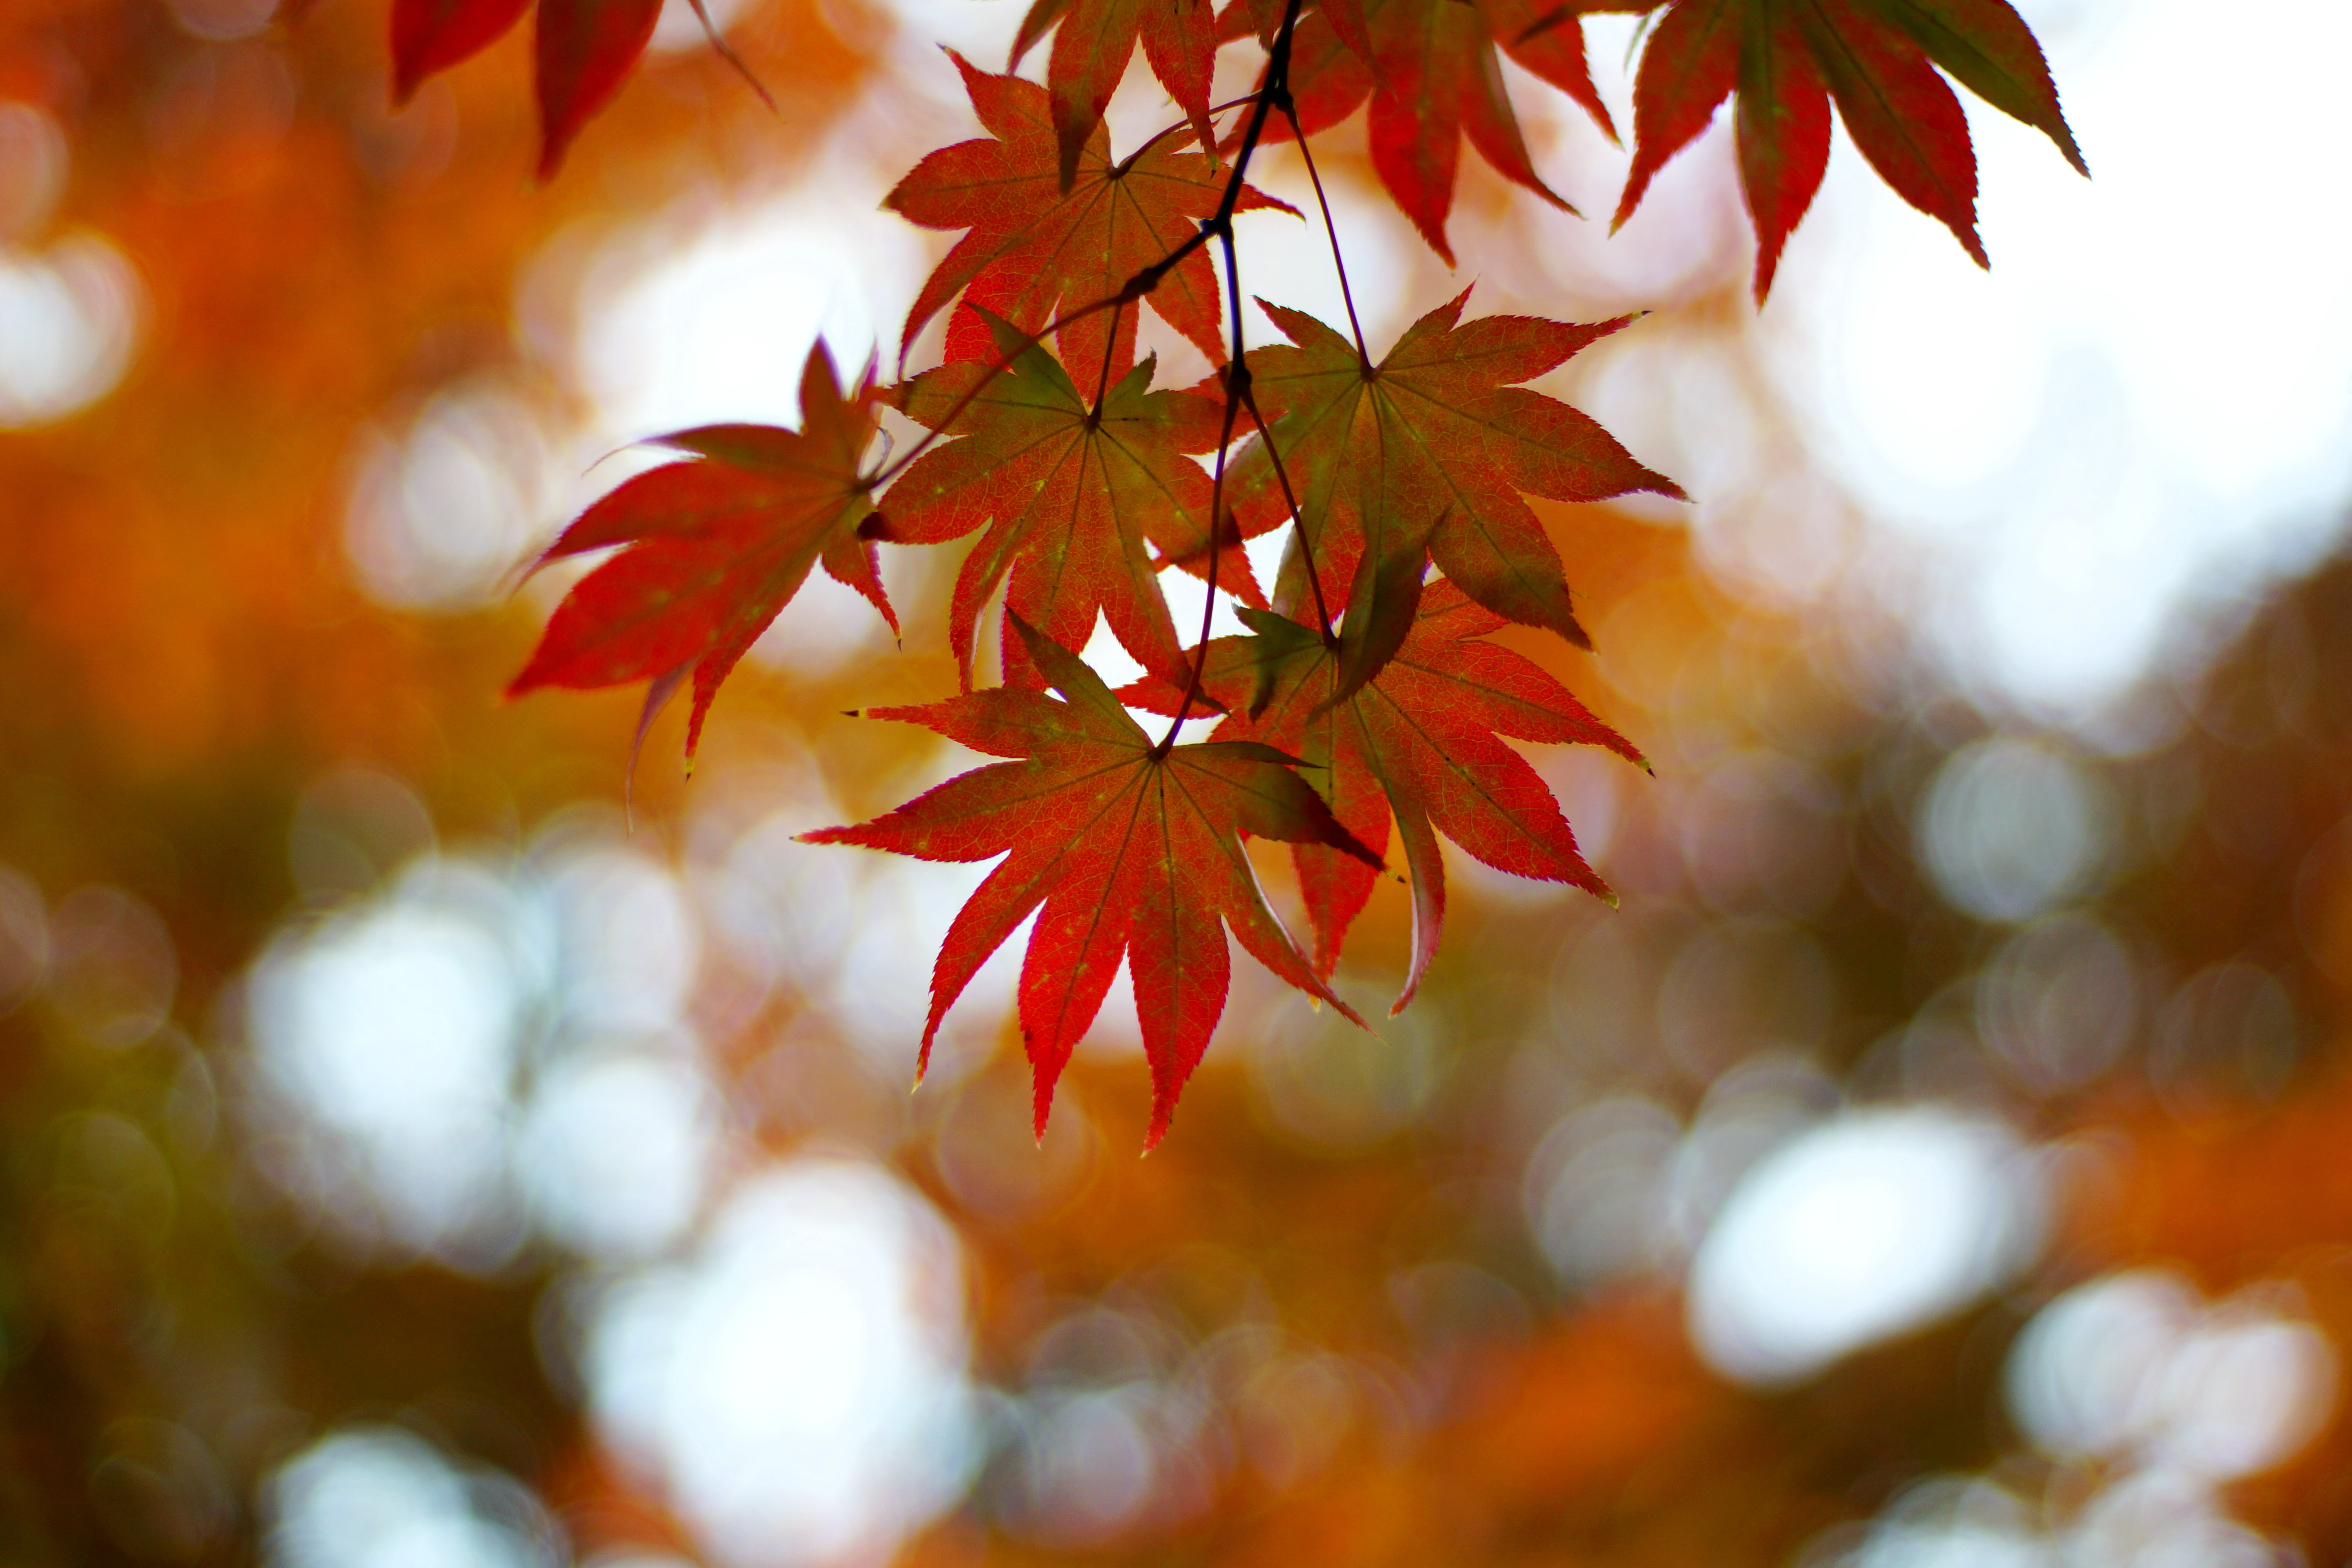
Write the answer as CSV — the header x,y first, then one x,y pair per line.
x,y
714,547
1091,51
1327,79
1434,437
1431,72
1033,247
585,49
1131,848
1420,739
1078,501
1789,60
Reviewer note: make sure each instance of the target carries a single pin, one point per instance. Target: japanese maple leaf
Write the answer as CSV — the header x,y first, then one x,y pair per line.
x,y
1132,848
1431,70
1434,438
1790,59
1033,247
585,49
1097,38
714,546
1076,499
1418,741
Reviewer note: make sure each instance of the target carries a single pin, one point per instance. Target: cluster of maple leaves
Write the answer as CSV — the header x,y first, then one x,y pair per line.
x,y
1362,693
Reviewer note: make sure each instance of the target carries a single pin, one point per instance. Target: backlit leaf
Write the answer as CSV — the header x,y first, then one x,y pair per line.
x,y
1420,742
1080,501
1132,850
1434,438
714,547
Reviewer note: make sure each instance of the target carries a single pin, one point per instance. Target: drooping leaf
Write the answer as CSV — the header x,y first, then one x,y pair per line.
x,y
1432,71
1789,60
1091,51
1078,502
585,49
1434,438
1418,741
715,546
1131,849
1033,249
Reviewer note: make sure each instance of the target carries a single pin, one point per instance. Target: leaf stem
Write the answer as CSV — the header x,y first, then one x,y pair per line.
x,y
1277,88
1161,135
726,52
1297,517
998,366
1339,262
1102,381
1216,537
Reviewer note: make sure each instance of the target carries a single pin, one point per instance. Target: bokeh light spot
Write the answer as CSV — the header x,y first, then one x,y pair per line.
x,y
2011,828
797,1384
68,316
1877,1222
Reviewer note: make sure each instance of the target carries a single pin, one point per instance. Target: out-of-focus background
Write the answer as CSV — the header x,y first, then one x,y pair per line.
x,y
1943,1156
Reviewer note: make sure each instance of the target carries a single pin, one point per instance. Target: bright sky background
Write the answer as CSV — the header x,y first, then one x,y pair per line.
x,y
2144,408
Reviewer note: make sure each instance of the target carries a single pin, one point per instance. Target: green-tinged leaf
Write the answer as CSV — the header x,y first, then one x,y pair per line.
x,y
1421,742
1435,433
1079,502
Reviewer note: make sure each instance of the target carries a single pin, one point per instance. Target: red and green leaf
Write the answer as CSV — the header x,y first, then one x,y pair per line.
x,y
1419,740
1082,504
1131,848
713,547
1435,437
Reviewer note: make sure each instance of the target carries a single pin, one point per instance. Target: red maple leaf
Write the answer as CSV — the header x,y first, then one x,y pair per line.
x,y
1434,436
1085,501
585,49
714,547
1034,247
1131,847
1789,60
1417,736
